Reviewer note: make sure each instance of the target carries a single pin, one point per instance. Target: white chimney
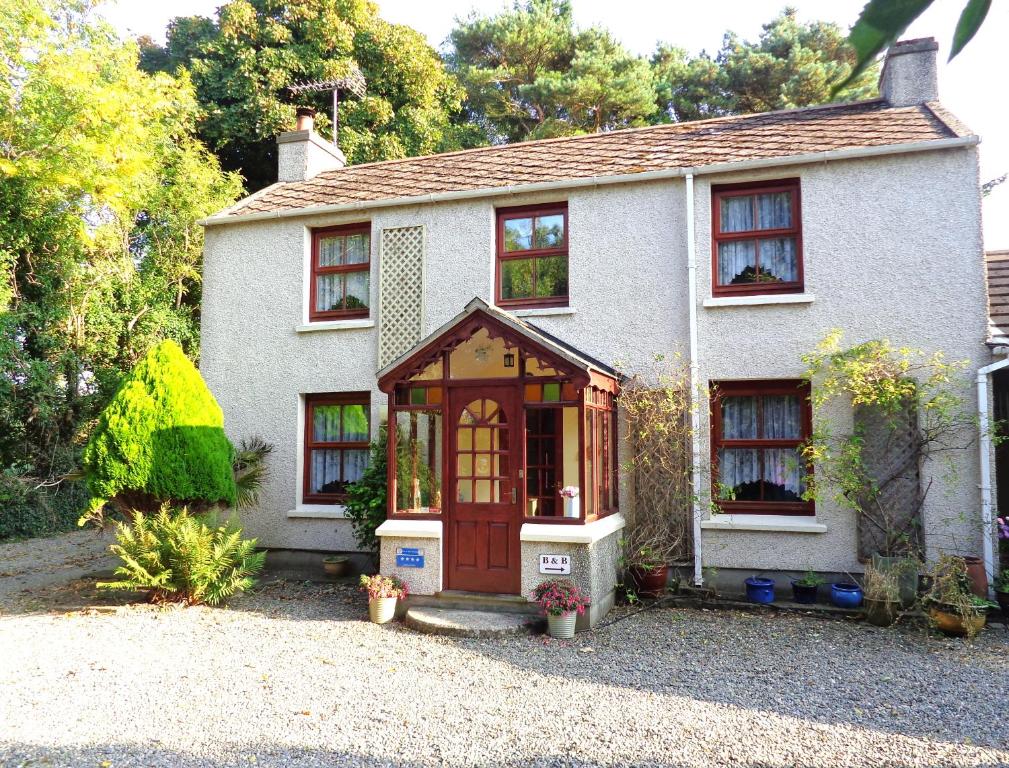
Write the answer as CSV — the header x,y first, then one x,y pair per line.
x,y
910,74
302,154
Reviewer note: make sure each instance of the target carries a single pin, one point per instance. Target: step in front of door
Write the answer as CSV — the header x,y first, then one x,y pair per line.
x,y
475,601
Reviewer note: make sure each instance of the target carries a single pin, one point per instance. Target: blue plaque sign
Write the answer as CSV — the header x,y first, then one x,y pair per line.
x,y
409,557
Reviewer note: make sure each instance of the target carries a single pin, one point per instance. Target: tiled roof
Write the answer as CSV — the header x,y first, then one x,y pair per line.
x,y
998,296
664,147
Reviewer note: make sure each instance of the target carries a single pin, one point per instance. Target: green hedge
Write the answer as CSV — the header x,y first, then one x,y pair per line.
x,y
26,511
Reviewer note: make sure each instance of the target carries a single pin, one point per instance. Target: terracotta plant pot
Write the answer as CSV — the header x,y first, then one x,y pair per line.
x,y
881,613
950,623
336,565
976,574
650,582
562,627
382,610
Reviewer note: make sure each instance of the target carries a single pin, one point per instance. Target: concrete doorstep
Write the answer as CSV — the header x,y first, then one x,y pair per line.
x,y
456,622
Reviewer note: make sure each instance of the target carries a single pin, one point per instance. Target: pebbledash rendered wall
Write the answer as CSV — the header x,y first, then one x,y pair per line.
x,y
891,249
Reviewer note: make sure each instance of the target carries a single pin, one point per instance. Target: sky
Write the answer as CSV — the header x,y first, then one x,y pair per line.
x,y
965,84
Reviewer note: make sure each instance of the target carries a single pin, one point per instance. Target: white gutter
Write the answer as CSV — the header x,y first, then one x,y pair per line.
x,y
984,424
594,181
695,415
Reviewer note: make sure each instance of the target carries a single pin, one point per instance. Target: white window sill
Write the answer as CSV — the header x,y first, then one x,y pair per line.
x,y
335,325
539,311
589,533
319,511
410,529
754,301
783,523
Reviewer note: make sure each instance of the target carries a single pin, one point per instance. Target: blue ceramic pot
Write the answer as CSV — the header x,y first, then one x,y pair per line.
x,y
759,590
846,595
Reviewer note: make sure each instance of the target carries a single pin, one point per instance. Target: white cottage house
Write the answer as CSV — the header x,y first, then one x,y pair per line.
x,y
480,299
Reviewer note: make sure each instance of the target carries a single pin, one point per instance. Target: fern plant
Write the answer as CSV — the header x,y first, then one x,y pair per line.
x,y
177,557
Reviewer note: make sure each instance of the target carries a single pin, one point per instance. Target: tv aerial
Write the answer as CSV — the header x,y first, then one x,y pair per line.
x,y
353,83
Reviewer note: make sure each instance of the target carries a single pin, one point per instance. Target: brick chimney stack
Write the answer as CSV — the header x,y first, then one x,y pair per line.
x,y
302,154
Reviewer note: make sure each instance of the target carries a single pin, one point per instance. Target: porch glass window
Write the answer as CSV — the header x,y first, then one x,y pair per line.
x,y
532,256
757,430
551,459
482,454
337,432
341,273
418,462
757,239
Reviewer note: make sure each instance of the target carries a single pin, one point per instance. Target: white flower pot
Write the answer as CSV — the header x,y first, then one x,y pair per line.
x,y
382,609
571,506
563,626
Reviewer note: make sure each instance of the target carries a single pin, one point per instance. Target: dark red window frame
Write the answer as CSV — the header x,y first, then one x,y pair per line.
x,y
332,398
523,212
318,271
718,193
756,389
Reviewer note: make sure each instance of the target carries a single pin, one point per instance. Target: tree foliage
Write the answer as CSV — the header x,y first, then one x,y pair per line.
x,y
529,73
101,185
242,61
367,499
160,440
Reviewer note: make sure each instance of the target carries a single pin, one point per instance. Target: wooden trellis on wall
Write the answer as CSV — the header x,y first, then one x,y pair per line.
x,y
401,292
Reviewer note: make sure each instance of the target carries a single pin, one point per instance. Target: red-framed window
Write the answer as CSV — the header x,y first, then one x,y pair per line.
x,y
756,238
532,256
337,435
341,272
757,428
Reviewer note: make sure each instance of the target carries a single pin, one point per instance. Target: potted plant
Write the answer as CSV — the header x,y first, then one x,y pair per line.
x,y
1002,592
804,589
336,565
648,571
846,594
882,596
569,494
953,608
759,589
562,602
905,570
383,592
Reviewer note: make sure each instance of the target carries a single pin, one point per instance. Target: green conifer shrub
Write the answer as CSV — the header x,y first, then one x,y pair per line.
x,y
160,440
178,557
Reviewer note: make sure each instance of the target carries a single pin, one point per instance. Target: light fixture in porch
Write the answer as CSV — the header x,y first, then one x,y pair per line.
x,y
509,359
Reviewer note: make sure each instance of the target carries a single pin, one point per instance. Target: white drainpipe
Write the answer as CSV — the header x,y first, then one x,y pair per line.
x,y
695,406
984,420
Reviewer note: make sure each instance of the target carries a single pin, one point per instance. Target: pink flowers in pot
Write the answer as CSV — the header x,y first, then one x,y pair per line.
x,y
569,491
379,586
557,598
1003,527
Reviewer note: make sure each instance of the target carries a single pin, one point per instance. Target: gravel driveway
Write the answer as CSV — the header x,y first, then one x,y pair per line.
x,y
294,675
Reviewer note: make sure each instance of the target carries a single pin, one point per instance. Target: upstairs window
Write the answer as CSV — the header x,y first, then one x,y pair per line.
x,y
757,237
337,434
757,430
532,256
341,273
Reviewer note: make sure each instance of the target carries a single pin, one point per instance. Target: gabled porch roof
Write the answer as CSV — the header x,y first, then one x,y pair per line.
x,y
478,313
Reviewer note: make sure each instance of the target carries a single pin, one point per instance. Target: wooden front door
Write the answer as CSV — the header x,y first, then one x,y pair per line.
x,y
482,544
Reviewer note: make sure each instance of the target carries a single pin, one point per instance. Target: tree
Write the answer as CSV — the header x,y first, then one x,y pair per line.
x,y
242,62
883,21
101,185
793,64
160,440
529,73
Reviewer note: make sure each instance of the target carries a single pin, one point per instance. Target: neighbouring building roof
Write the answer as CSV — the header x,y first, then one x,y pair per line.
x,y
998,297
769,135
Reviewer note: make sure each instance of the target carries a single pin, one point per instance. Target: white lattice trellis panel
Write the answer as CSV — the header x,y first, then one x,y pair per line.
x,y
401,292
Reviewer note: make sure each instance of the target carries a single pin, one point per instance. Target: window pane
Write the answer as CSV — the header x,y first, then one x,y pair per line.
x,y
331,251
516,279
552,276
774,210
483,489
777,260
357,290
736,213
464,465
328,292
550,231
354,464
518,234
325,423
782,417
355,423
418,461
325,472
356,249
737,262
739,474
739,418
784,476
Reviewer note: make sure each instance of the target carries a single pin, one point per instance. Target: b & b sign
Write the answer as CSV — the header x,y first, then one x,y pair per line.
x,y
560,564
409,557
